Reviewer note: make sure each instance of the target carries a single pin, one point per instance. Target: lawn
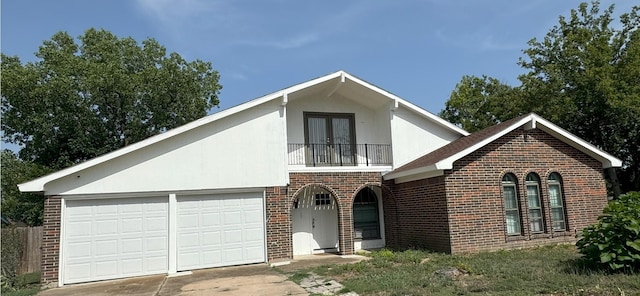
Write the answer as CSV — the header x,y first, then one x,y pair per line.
x,y
553,270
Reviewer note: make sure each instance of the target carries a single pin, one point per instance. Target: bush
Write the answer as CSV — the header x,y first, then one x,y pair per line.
x,y
614,241
11,253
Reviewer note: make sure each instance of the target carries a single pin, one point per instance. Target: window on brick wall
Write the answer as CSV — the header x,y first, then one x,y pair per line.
x,y
556,202
536,218
366,221
511,204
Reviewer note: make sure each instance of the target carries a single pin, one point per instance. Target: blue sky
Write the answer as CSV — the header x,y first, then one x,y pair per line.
x,y
417,49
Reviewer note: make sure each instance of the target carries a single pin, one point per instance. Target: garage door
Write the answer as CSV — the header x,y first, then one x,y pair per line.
x,y
220,230
114,238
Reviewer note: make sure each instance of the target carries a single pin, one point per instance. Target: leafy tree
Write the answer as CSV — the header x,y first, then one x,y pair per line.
x,y
584,75
480,102
81,100
19,206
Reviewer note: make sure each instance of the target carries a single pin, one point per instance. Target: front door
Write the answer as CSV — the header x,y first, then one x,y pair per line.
x,y
315,224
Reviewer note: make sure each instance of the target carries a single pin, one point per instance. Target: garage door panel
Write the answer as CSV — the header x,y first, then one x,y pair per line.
x,y
115,238
221,233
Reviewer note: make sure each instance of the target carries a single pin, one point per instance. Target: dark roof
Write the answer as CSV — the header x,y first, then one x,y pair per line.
x,y
457,146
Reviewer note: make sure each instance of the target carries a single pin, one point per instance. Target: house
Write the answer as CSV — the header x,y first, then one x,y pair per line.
x,y
334,164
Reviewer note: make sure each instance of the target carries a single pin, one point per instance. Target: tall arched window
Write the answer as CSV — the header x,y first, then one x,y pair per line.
x,y
366,221
536,219
511,207
556,202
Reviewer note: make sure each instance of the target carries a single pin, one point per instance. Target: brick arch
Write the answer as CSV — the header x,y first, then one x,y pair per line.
x,y
331,191
339,209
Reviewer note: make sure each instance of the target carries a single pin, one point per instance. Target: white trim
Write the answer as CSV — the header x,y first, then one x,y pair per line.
x,y
38,185
63,206
160,193
339,169
264,225
420,176
172,211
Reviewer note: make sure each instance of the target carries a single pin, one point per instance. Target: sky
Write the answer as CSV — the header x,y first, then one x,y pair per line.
x,y
416,49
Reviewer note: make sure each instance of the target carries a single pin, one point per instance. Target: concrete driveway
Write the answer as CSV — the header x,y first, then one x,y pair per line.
x,y
256,279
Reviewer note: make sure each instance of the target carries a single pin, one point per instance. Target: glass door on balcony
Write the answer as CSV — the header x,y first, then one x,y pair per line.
x,y
329,139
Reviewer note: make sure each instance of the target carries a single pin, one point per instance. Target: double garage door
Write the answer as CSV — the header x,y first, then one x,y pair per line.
x,y
125,237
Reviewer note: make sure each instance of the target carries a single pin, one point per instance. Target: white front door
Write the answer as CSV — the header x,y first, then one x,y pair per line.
x,y
114,238
315,224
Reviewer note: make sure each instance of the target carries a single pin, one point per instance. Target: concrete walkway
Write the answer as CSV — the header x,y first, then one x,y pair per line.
x,y
256,279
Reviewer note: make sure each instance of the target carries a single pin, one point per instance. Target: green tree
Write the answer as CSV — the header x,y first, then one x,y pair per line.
x,y
81,100
584,75
479,102
19,206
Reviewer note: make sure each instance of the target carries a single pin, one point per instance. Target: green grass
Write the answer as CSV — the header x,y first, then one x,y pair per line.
x,y
554,270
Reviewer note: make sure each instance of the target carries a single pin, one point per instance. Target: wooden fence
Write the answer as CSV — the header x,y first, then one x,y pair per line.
x,y
31,248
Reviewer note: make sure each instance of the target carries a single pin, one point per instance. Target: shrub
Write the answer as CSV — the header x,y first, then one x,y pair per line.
x,y
614,241
11,252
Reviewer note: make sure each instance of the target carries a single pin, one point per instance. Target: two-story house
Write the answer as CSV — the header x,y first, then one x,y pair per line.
x,y
334,164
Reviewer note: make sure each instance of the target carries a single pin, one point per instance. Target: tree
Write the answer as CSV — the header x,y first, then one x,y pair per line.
x,y
588,71
19,206
480,102
81,100
584,75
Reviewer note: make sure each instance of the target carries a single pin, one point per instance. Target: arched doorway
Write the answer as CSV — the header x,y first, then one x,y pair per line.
x,y
314,216
368,223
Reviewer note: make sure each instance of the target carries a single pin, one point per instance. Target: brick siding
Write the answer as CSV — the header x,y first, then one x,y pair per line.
x,y
344,186
51,241
416,215
474,208
278,224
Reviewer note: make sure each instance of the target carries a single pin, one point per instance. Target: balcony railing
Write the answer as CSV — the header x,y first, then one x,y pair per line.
x,y
340,154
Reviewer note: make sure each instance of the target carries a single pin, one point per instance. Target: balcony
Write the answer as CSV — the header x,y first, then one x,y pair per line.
x,y
319,155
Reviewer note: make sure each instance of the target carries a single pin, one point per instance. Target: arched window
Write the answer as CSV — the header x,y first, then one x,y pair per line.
x,y
366,221
556,202
536,219
511,207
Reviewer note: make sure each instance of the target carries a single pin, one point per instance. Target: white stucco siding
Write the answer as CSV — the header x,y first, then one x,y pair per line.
x,y
414,135
241,150
372,125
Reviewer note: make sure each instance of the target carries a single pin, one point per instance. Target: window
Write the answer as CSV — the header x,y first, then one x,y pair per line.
x,y
323,199
330,139
536,220
366,221
510,195
556,202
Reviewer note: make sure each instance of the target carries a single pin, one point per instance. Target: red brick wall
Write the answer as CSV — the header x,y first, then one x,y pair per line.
x,y
474,191
51,241
278,224
343,186
416,215
463,210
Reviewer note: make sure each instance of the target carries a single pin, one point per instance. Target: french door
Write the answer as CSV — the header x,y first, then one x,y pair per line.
x,y
330,139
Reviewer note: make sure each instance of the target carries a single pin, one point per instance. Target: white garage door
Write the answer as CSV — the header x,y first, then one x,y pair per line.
x,y
220,230
114,238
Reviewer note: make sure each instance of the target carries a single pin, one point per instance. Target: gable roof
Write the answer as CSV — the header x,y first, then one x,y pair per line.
x,y
37,185
434,163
